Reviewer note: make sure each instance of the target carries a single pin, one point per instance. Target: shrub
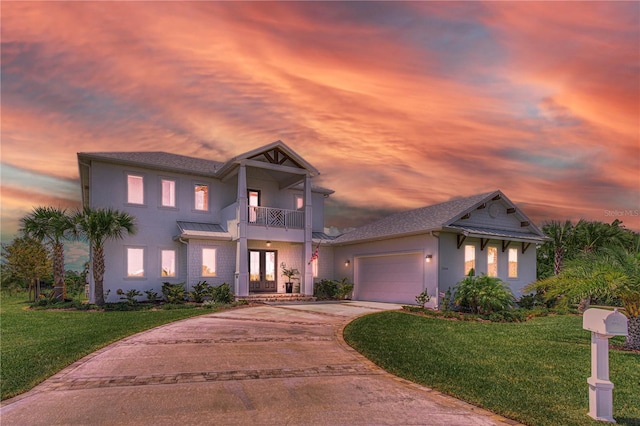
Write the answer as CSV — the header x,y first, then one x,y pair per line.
x,y
200,291
483,295
119,306
445,300
422,298
222,293
325,289
152,296
530,301
130,296
173,293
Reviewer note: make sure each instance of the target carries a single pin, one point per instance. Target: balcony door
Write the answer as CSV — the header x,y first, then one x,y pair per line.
x,y
254,203
262,271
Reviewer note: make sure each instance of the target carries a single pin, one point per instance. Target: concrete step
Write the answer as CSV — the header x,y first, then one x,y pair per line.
x,y
277,297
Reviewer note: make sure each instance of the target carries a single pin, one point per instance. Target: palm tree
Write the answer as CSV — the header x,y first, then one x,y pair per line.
x,y
51,226
98,226
560,234
611,272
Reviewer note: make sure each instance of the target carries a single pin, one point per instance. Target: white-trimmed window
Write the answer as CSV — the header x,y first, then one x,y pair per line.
x,y
299,199
135,262
492,261
135,189
168,193
469,258
201,196
208,262
513,263
168,262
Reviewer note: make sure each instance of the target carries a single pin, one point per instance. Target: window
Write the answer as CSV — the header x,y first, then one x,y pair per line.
x,y
492,261
299,202
208,262
168,193
469,259
168,261
513,263
314,268
201,197
254,202
135,189
135,262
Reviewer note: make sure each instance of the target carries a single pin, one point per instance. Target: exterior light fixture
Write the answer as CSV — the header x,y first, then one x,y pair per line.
x,y
347,262
429,258
268,243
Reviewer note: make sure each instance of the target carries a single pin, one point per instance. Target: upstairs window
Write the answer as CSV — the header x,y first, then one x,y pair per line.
x,y
469,259
135,262
314,268
168,193
299,202
201,196
135,189
513,263
492,261
168,260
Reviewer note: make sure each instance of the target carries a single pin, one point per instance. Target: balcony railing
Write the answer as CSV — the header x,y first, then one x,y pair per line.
x,y
277,218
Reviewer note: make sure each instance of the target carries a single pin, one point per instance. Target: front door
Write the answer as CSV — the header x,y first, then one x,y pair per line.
x,y
262,271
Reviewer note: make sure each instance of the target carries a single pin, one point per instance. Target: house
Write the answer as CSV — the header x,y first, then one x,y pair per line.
x,y
241,221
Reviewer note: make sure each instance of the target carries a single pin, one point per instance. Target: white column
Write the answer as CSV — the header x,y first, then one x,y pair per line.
x,y
307,287
242,261
600,388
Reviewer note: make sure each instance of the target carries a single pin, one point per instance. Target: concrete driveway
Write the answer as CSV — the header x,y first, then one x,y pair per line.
x,y
263,365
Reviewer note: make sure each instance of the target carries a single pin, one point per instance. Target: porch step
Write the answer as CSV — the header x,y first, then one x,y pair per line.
x,y
277,297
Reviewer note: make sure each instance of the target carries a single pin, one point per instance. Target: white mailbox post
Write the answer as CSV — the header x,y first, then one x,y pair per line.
x,y
603,325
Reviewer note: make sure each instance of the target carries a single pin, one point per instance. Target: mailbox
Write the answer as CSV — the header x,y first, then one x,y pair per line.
x,y
602,321
602,324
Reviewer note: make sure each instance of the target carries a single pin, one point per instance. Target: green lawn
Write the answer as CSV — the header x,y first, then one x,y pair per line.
x,y
35,344
534,372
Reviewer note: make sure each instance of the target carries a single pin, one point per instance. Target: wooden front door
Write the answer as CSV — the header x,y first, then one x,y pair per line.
x,y
262,271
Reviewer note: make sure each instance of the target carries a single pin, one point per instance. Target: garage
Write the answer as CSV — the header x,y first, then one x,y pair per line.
x,y
393,277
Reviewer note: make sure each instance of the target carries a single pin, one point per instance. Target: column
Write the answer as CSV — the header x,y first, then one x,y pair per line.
x,y
307,287
242,261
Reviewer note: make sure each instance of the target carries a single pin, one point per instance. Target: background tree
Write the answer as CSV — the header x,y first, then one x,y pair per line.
x,y
552,254
51,225
26,261
98,226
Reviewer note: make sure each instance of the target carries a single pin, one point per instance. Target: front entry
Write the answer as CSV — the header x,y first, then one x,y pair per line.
x,y
262,271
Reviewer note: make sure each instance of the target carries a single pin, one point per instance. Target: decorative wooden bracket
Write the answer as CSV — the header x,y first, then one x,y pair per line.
x,y
523,224
466,216
482,206
525,246
483,243
461,240
497,197
511,210
505,245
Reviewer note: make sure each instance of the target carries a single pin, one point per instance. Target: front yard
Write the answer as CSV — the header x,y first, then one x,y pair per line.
x,y
36,344
534,372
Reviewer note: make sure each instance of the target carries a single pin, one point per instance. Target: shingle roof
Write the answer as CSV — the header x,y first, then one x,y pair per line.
x,y
415,221
499,233
159,159
202,230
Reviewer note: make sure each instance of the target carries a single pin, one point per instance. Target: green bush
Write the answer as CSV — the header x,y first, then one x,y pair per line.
x,y
130,296
222,293
152,296
173,293
422,298
332,289
483,295
200,291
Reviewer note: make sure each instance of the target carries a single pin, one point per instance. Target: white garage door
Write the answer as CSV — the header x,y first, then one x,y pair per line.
x,y
395,278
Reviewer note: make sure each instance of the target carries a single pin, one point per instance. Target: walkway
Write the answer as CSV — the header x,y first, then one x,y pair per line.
x,y
263,365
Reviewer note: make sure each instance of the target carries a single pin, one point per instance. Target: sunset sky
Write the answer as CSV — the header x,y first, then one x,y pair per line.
x,y
399,105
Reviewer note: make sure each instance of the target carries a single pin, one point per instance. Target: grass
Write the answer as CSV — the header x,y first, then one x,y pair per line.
x,y
534,372
36,344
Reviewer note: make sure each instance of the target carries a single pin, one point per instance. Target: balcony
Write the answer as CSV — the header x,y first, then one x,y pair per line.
x,y
276,218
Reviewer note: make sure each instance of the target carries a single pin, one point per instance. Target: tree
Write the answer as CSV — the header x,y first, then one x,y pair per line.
x,y
591,236
51,225
610,272
27,261
556,248
98,226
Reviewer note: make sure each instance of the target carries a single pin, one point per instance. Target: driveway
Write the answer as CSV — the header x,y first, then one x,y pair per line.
x,y
267,365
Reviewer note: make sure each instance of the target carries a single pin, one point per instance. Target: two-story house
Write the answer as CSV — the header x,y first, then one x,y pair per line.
x,y
241,221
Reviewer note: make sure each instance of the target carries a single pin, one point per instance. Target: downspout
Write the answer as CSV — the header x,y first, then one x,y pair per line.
x,y
186,243
436,235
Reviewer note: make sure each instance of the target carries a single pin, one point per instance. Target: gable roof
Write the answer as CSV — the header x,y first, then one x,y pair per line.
x,y
437,217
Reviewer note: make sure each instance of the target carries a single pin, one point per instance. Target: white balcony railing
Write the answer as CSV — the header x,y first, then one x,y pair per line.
x,y
278,218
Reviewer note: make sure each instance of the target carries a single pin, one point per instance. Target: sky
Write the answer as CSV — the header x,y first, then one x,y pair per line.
x,y
398,104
